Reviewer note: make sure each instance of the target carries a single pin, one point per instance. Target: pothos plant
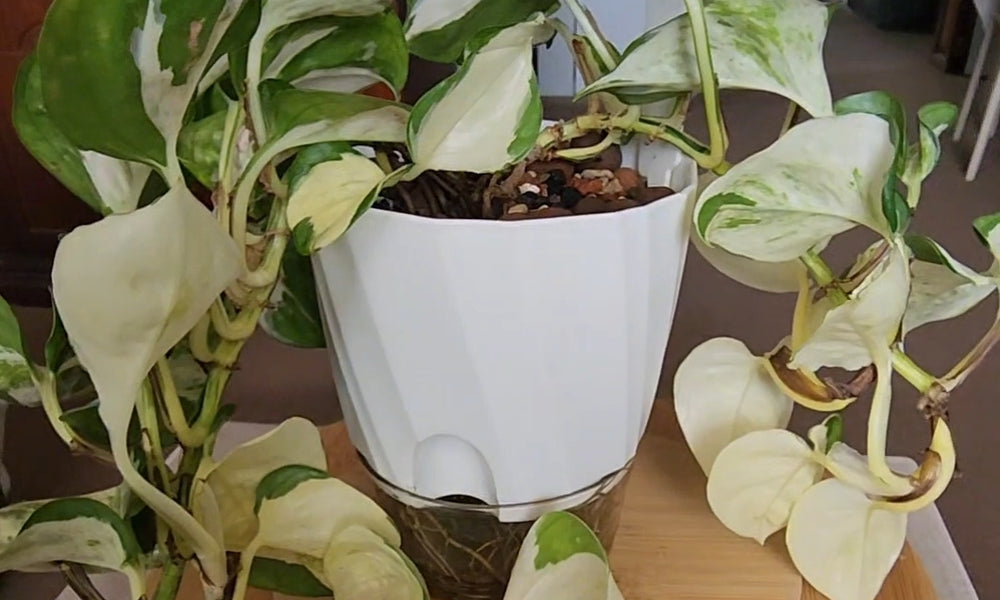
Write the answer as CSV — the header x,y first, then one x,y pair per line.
x,y
222,140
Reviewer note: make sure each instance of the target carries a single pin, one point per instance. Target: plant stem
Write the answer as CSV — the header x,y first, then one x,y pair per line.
x,y
45,382
170,581
80,582
709,82
586,24
790,117
901,362
153,446
172,405
971,361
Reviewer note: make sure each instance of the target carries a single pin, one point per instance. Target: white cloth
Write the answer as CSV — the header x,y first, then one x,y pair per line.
x,y
926,532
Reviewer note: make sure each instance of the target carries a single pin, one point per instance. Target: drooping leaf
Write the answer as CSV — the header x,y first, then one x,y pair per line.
x,y
331,53
440,30
561,558
16,377
820,179
488,114
872,316
286,578
924,155
128,290
235,479
76,530
328,183
942,288
770,45
722,392
841,543
757,479
293,316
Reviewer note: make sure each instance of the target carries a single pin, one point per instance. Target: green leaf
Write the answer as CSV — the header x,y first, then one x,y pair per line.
x,y
834,430
71,62
328,183
293,316
822,178
485,116
769,45
440,30
988,230
57,348
76,530
895,208
285,578
562,558
923,156
128,292
189,376
283,480
350,116
45,141
85,421
16,377
200,148
10,330
329,53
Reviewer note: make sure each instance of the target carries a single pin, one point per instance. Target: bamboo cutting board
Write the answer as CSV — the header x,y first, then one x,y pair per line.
x,y
670,546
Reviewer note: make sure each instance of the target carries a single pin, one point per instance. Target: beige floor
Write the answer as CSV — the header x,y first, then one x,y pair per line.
x,y
276,382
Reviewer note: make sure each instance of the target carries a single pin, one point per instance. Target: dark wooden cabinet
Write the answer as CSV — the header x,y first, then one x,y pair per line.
x,y
34,208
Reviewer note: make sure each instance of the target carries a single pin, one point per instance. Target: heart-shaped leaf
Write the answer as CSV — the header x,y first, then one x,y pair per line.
x,y
942,288
234,480
328,184
872,315
76,530
923,156
127,290
757,479
327,54
820,179
440,30
495,87
842,543
560,559
722,392
770,45
293,316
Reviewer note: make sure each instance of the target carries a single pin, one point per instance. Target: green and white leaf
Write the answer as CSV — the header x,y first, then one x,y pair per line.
x,y
923,156
234,480
17,380
988,229
488,114
293,316
189,376
359,565
338,54
885,105
328,184
942,288
769,45
757,479
560,559
871,317
441,30
722,392
76,530
13,517
820,179
841,543
128,290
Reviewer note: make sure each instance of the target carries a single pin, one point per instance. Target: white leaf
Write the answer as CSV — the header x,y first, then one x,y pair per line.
x,y
234,480
757,479
769,45
777,278
128,288
118,182
872,315
560,559
486,115
431,15
820,179
359,565
942,288
851,467
721,393
841,543
340,79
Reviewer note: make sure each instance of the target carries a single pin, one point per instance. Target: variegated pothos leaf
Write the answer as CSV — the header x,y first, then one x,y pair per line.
x,y
17,380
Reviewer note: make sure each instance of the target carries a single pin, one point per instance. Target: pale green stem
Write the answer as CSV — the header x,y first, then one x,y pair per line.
x,y
45,382
586,24
198,340
172,405
152,444
580,154
170,581
790,117
961,371
901,362
233,329
709,81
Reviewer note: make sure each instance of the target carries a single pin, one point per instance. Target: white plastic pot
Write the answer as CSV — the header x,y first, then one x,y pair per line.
x,y
508,361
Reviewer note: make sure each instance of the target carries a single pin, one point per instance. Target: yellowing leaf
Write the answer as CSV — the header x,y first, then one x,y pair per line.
x,y
757,479
722,392
128,289
359,565
842,543
235,479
